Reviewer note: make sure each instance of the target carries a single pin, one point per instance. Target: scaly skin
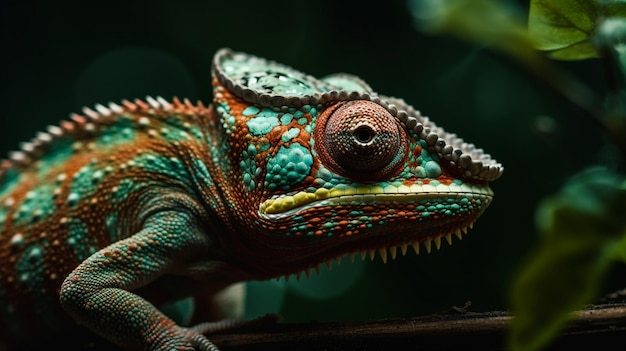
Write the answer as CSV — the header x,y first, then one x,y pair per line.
x,y
122,209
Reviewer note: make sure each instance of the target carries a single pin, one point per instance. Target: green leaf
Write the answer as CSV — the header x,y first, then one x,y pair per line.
x,y
557,24
583,231
558,279
566,27
614,8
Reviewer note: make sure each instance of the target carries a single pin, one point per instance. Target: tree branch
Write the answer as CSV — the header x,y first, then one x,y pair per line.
x,y
599,324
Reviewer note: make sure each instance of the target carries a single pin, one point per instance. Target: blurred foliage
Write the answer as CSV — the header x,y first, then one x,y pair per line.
x,y
494,24
583,227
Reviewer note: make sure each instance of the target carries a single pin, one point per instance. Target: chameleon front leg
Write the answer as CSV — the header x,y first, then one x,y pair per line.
x,y
98,292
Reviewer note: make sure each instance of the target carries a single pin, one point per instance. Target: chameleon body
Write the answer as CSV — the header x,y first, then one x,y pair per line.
x,y
121,209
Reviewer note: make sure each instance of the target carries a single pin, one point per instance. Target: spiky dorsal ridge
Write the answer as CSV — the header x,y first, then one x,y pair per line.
x,y
32,150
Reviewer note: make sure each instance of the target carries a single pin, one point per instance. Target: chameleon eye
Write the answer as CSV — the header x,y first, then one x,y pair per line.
x,y
360,139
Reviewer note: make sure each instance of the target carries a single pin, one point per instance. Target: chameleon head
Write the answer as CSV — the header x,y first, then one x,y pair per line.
x,y
326,167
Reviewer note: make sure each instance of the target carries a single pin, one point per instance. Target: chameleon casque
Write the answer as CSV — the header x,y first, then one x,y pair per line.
x,y
111,214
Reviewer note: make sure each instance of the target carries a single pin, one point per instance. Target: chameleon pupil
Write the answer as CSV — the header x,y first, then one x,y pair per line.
x,y
364,134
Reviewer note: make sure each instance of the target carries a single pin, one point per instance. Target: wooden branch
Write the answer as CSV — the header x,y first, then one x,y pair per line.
x,y
598,325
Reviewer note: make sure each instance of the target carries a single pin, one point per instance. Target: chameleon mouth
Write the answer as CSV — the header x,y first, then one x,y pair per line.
x,y
287,205
422,215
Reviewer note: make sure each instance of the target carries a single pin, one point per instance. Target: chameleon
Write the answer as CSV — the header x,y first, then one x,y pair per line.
x,y
120,211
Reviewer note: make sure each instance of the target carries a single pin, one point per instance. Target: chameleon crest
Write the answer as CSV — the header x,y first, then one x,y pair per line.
x,y
123,210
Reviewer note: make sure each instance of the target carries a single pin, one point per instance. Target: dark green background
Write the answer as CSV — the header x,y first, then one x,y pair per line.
x,y
57,57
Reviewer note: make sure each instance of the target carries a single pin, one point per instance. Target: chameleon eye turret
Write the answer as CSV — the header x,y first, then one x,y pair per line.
x,y
361,140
